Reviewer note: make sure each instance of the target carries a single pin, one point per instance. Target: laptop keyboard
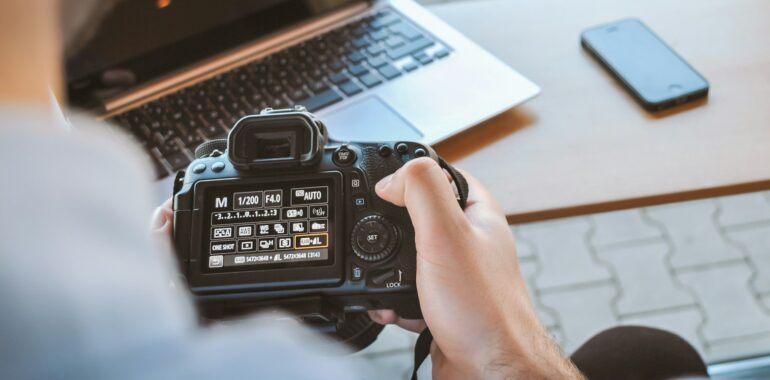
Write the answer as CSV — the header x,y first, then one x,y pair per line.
x,y
316,73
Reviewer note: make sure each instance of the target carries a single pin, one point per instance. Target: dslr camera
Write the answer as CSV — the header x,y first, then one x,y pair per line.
x,y
277,216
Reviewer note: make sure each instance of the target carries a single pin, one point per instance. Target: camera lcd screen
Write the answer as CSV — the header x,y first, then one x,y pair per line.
x,y
268,225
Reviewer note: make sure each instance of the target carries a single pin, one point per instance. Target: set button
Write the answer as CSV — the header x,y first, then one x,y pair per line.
x,y
374,238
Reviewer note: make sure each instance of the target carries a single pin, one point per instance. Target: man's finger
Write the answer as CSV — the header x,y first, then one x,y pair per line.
x,y
162,217
389,317
422,186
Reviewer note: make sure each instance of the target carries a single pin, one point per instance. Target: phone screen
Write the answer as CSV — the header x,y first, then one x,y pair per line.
x,y
654,73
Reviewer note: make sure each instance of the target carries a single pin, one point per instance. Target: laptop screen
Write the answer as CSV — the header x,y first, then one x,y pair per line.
x,y
142,40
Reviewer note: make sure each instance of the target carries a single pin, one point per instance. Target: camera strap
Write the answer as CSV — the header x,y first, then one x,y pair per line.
x,y
460,182
421,350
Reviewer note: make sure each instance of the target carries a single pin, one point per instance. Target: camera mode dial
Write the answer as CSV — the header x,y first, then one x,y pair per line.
x,y
374,238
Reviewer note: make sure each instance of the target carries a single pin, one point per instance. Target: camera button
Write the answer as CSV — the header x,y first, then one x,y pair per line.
x,y
344,156
356,273
200,168
384,150
360,203
356,184
218,167
383,276
373,238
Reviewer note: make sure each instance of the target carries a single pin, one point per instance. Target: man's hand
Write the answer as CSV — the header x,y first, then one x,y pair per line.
x,y
162,223
472,293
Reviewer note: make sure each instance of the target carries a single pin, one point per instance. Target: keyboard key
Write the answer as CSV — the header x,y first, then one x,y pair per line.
x,y
356,57
321,100
317,87
409,48
377,61
143,131
384,19
336,65
360,30
277,102
169,147
406,30
389,72
192,140
361,42
339,77
369,80
350,88
212,130
358,70
411,66
160,170
178,160
298,94
379,35
375,49
423,58
394,41
441,54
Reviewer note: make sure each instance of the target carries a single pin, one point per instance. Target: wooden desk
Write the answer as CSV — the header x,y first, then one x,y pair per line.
x,y
584,145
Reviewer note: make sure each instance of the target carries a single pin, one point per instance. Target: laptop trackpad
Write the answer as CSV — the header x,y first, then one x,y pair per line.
x,y
369,119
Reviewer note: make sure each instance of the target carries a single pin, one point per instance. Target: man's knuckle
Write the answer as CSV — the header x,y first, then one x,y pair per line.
x,y
421,168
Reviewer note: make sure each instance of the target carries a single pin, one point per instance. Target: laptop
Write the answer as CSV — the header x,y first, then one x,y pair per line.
x,y
176,73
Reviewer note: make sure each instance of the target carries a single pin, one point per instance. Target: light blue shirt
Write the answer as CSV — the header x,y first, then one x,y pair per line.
x,y
86,294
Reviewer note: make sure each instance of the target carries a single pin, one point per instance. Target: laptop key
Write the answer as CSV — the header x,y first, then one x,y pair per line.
x,y
317,87
339,77
389,72
423,58
160,170
212,130
178,160
321,100
350,88
395,41
406,30
384,19
369,80
411,66
361,42
379,35
358,70
377,61
360,30
192,139
375,49
336,65
298,94
409,48
356,57
441,54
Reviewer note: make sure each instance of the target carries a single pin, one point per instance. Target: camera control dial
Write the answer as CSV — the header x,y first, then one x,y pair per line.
x,y
374,238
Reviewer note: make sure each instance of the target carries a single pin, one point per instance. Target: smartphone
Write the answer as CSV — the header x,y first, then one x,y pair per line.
x,y
656,76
